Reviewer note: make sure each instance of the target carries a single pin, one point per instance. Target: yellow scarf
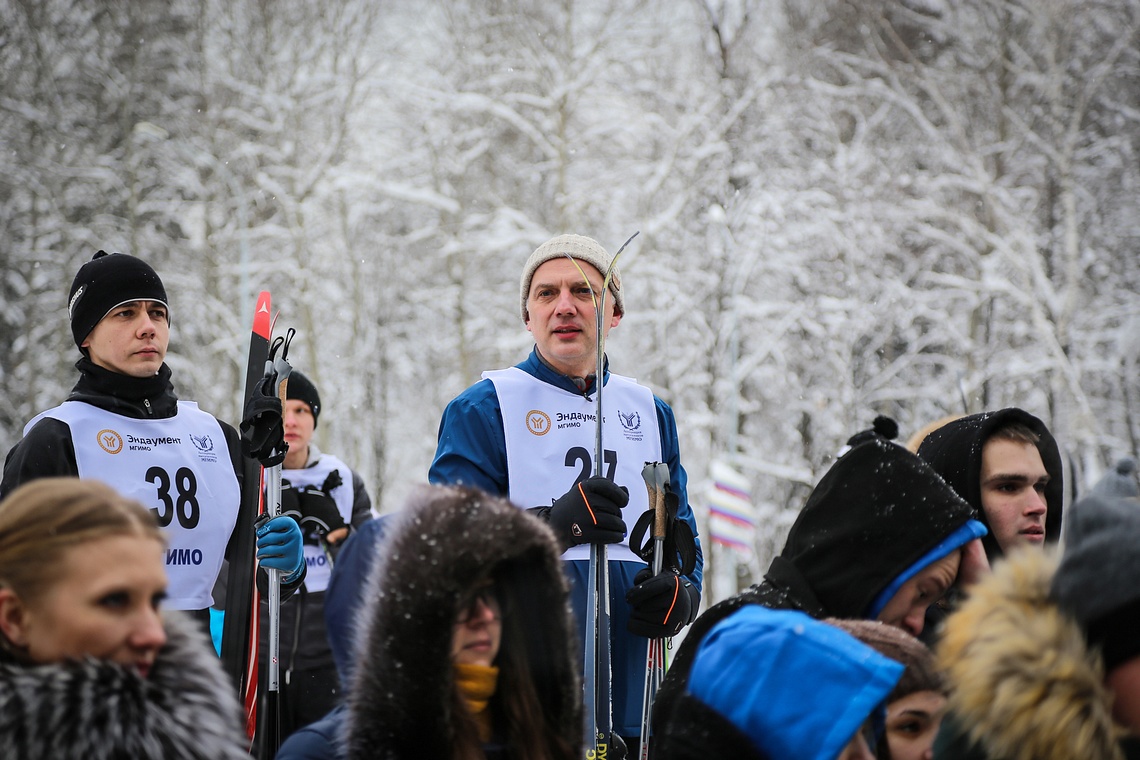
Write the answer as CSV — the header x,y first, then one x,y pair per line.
x,y
476,684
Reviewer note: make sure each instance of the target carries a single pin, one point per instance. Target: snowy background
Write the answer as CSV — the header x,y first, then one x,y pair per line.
x,y
908,207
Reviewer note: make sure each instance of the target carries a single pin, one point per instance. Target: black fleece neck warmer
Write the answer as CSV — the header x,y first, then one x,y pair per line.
x,y
96,381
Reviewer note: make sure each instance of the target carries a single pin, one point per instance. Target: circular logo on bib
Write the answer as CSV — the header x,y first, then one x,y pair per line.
x,y
110,441
538,422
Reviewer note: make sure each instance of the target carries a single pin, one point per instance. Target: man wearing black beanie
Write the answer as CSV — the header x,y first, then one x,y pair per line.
x,y
329,500
124,425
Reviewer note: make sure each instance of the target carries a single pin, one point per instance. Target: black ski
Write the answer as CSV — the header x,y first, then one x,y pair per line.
x,y
240,629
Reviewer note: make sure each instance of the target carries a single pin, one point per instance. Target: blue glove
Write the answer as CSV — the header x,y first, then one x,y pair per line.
x,y
279,545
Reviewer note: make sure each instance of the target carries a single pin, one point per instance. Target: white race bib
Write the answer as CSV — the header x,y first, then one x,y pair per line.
x,y
550,437
178,467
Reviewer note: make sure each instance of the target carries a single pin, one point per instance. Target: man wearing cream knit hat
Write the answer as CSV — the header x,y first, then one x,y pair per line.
x,y
528,433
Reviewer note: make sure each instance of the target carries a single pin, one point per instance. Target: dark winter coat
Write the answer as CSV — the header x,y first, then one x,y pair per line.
x,y
184,709
324,739
310,686
446,539
1024,684
873,515
955,452
304,640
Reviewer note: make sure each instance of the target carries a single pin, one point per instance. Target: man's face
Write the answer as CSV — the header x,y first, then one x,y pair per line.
x,y
907,608
561,315
131,339
299,424
1013,492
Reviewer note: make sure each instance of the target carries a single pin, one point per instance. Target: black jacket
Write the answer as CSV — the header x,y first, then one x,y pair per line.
x,y
48,451
399,700
185,709
873,515
304,640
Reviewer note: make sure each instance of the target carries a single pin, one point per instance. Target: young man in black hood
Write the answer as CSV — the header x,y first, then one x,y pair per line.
x,y
1007,466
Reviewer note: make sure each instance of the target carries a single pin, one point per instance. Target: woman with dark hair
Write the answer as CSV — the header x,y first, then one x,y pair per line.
x,y
917,703
90,665
448,664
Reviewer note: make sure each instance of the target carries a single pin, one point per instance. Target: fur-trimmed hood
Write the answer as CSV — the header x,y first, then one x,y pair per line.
x,y
445,540
95,709
1024,684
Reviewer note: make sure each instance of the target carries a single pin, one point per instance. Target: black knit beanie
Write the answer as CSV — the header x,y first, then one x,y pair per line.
x,y
103,283
301,388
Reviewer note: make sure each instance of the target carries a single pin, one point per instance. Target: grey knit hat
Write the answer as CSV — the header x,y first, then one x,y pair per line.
x,y
1098,580
1120,482
578,247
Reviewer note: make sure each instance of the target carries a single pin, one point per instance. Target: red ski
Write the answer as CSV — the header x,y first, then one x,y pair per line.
x,y
240,629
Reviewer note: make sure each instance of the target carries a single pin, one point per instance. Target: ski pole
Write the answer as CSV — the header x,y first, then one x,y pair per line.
x,y
656,476
280,368
598,677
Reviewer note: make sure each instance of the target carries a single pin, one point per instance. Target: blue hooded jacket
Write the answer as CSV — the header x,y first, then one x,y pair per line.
x,y
793,686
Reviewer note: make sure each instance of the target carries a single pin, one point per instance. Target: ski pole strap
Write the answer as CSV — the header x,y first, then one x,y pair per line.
x,y
680,546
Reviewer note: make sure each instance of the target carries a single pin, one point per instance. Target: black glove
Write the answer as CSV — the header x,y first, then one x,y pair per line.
x,y
618,750
262,429
589,513
662,604
319,513
314,509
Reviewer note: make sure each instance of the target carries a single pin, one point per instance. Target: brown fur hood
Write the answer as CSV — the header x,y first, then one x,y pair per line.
x,y
1023,682
445,540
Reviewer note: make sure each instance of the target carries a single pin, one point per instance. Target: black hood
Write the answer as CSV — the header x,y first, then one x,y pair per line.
x,y
873,515
955,452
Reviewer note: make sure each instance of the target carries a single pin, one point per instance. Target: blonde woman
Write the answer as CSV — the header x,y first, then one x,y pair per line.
x,y
90,665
